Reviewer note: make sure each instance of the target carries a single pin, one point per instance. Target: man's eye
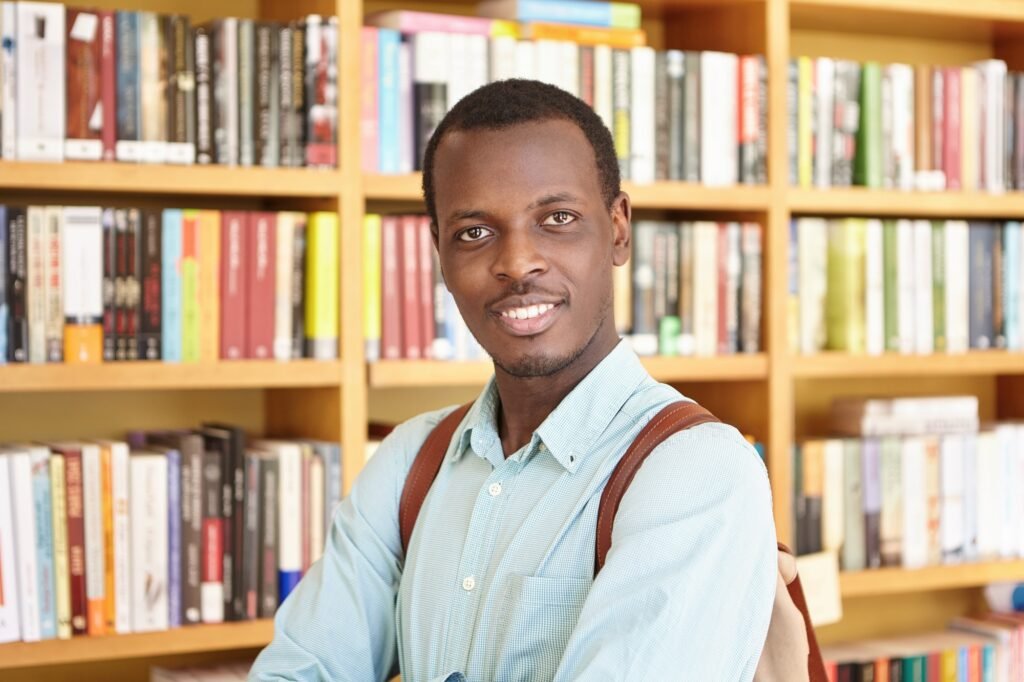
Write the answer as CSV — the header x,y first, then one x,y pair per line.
x,y
472,234
559,218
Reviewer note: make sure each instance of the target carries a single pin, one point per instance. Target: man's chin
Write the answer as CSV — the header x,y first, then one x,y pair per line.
x,y
532,366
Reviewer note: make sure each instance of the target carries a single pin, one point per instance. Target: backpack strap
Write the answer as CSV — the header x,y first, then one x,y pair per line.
x,y
678,416
424,470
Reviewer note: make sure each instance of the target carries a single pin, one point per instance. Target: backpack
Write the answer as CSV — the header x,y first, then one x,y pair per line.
x,y
791,650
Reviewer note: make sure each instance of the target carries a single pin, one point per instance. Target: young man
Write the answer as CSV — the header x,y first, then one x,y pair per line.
x,y
522,184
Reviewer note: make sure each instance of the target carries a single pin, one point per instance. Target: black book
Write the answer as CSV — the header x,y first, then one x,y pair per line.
x,y
691,116
17,283
675,69
299,289
203,96
109,284
133,283
980,283
267,97
661,117
234,515
246,92
121,284
268,532
252,543
151,278
181,89
218,441
430,104
297,151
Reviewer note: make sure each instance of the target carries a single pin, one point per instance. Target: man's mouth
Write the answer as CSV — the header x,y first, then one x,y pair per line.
x,y
528,320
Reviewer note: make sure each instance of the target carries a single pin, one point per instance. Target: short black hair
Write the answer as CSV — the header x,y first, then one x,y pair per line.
x,y
507,103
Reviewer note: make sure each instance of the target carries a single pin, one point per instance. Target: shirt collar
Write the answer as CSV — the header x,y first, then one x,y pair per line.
x,y
570,430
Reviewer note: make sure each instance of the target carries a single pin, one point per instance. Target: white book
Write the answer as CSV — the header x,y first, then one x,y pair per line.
x,y
957,299
92,512
924,324
230,52
83,263
603,85
546,66
289,497
503,58
812,262
526,60
874,288
86,31
1009,521
316,508
119,481
283,284
25,533
36,290
641,115
152,90
476,68
824,124
8,81
902,78
10,614
951,482
40,81
905,280
989,505
458,74
719,163
1018,477
833,524
971,493
406,144
970,133
705,287
915,509
39,463
149,536
570,72
430,60
992,80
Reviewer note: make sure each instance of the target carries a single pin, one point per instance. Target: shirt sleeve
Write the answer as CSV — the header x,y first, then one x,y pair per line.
x,y
339,622
687,589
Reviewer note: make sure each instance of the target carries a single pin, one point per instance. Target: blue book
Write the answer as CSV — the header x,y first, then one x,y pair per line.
x,y
388,42
39,460
3,285
170,285
586,12
1011,284
988,663
173,537
129,99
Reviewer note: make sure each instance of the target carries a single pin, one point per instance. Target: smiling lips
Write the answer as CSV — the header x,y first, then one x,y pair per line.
x,y
528,320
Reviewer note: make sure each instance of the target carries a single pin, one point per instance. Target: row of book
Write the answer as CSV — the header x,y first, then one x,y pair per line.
x,y
905,286
692,288
905,127
237,671
165,529
82,284
688,116
984,648
85,84
911,482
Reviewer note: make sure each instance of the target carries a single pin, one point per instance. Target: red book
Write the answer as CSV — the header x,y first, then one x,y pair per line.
x,y
723,288
390,291
82,95
426,286
951,128
587,74
259,266
408,261
108,83
368,90
76,536
234,302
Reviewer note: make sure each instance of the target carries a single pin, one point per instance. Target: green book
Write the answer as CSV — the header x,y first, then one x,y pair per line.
x,y
890,285
844,310
867,168
190,287
939,284
914,669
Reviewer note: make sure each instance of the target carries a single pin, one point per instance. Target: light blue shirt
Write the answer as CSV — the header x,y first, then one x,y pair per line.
x,y
498,584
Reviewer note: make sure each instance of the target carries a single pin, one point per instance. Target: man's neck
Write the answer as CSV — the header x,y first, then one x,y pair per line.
x,y
525,402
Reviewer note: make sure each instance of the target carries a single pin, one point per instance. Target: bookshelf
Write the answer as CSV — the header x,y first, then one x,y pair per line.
x,y
774,395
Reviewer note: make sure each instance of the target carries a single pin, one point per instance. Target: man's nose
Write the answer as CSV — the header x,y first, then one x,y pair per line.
x,y
518,256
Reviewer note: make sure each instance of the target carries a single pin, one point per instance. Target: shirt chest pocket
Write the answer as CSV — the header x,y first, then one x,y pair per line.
x,y
539,615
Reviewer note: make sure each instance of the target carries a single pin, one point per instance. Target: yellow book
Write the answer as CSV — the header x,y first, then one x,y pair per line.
x,y
371,286
844,310
209,285
618,38
804,122
322,277
61,569
190,286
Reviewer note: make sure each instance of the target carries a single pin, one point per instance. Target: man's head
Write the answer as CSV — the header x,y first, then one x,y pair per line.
x,y
522,185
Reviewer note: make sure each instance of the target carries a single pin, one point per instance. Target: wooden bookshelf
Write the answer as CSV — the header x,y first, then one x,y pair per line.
x,y
843,366
885,581
859,201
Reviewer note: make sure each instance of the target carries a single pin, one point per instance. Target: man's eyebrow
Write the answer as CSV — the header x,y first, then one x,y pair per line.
x,y
467,214
558,198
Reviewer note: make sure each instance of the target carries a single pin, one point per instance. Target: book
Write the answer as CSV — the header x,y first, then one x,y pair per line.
x,y
321,286
86,40
40,60
10,611
607,14
149,541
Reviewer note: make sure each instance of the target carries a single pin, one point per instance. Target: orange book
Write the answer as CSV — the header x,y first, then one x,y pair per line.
x,y
83,344
108,533
621,38
208,239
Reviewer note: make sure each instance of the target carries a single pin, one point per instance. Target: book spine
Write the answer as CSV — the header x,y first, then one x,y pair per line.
x,y
76,541
406,132
209,235
203,95
251,541
430,88
219,91
268,596
642,114
149,542
246,96
190,286
267,97
212,586
120,284
40,61
408,263
868,168
996,285
322,286
750,296
120,591
36,279
761,144
25,533
182,92
951,133
8,80
260,267
4,261
387,90
150,332
61,560
299,94
234,292
980,285
621,99
289,523
673,137
17,274
174,561
170,286
54,284
129,109
391,290
425,286
132,284
95,565
10,613
42,503
372,286
298,288
85,60
285,90
321,107
749,85
939,291
152,87
191,448
874,288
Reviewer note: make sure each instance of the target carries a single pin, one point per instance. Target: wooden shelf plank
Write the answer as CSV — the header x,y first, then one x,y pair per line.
x,y
145,376
127,178
897,580
426,373
658,195
834,365
991,10
860,201
186,640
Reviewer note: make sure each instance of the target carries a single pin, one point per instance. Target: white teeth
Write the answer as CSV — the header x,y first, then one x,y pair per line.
x,y
532,312
528,312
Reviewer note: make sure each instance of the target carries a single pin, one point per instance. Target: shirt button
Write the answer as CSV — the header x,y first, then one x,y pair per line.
x,y
469,583
494,489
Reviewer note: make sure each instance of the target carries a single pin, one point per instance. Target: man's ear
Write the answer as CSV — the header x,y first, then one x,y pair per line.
x,y
622,228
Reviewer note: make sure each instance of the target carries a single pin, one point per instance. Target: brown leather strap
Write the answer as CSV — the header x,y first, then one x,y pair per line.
x,y
672,419
424,470
815,663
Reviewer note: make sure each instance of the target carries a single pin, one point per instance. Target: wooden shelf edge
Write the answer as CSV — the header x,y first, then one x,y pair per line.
x,y
993,10
427,373
862,201
185,640
835,365
124,178
897,580
120,376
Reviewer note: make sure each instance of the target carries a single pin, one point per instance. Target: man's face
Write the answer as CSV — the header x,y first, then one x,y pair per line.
x,y
527,243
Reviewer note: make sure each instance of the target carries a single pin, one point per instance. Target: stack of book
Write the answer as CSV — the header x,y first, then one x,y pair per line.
x,y
691,288
83,284
905,286
674,115
905,127
170,528
911,482
83,84
226,672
